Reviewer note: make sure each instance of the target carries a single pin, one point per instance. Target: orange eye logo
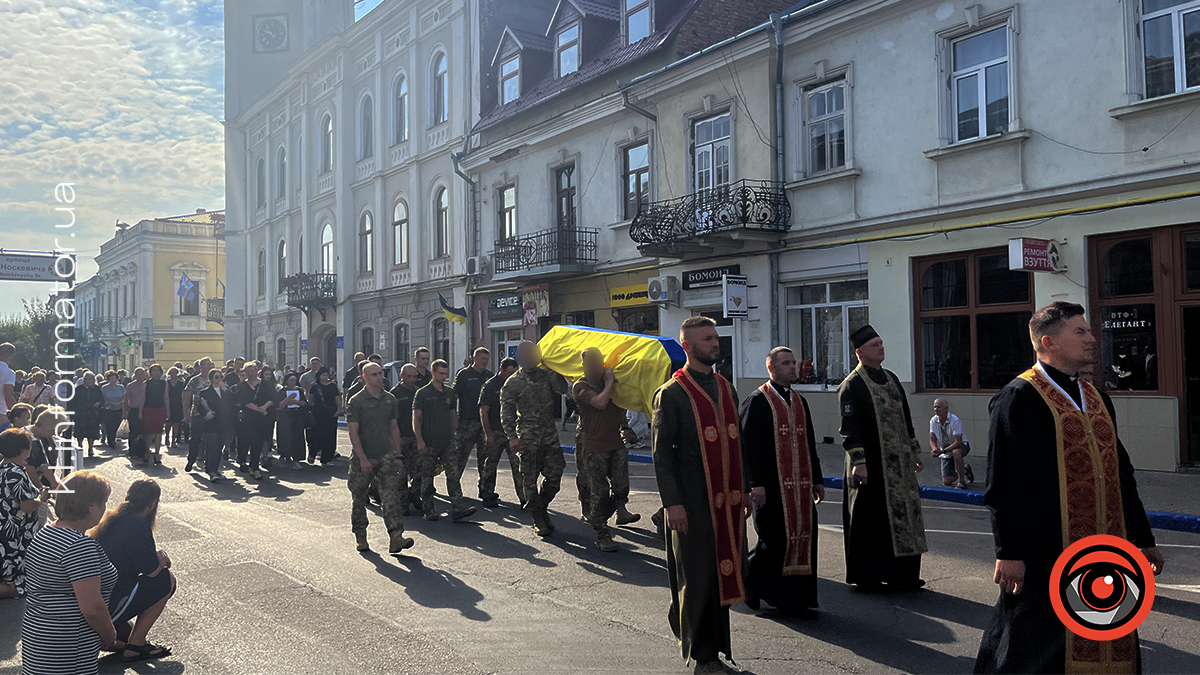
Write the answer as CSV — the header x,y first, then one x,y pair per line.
x,y
1102,587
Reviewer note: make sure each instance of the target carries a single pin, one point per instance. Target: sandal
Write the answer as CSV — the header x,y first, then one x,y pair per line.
x,y
970,474
145,652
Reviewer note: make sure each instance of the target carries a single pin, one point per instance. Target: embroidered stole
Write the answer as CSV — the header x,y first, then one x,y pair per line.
x,y
717,424
795,478
1089,491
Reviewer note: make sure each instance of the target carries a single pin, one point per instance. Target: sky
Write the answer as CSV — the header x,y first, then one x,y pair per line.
x,y
121,98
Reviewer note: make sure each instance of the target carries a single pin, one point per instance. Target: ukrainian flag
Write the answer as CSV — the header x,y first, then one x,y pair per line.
x,y
640,363
455,314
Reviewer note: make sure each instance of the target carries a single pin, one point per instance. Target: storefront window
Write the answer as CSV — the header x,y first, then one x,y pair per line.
x,y
1129,348
1191,260
820,318
1128,269
643,320
944,284
587,318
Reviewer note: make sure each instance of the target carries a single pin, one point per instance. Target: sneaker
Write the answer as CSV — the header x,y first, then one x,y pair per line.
x,y
399,543
604,541
361,541
624,517
463,514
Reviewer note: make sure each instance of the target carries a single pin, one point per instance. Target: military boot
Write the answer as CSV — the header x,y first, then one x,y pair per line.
x,y
399,543
604,541
624,517
463,513
361,539
541,524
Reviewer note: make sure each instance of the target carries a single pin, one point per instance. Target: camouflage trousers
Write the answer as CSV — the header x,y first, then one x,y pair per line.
x,y
470,436
385,473
546,461
427,462
491,466
608,483
581,478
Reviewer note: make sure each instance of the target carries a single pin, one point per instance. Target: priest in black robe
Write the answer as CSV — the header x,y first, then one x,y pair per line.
x,y
1025,454
882,521
770,576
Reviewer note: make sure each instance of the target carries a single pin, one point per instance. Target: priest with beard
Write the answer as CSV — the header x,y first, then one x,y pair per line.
x,y
779,451
882,523
1057,473
698,464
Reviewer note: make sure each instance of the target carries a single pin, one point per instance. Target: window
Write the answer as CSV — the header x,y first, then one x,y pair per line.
x,y
973,321
125,300
400,233
281,262
326,144
506,198
564,179
711,154
510,80
584,318
826,127
1128,317
441,339
189,305
133,298
637,20
820,319
367,345
280,174
402,345
440,95
261,352
441,215
1171,45
400,110
260,185
567,55
366,250
366,127
637,178
640,320
262,273
979,82
328,261
281,353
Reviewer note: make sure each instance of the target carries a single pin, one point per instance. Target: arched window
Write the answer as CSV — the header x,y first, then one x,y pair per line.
x,y
261,352
366,248
281,353
326,144
441,216
281,260
368,341
327,259
440,91
400,234
402,342
441,339
366,127
400,110
261,185
281,174
262,273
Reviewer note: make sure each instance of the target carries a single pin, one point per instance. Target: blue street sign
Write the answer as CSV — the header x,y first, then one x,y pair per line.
x,y
339,342
303,345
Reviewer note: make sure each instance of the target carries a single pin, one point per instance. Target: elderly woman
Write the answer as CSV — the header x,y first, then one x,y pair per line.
x,y
69,581
21,415
20,499
43,454
144,583
86,405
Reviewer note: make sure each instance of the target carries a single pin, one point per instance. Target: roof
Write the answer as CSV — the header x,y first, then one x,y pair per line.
x,y
525,40
603,9
205,218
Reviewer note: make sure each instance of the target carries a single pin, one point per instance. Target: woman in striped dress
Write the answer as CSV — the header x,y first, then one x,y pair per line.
x,y
68,583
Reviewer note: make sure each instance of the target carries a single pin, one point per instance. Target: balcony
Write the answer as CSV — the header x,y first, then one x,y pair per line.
x,y
112,326
216,310
549,252
311,291
700,224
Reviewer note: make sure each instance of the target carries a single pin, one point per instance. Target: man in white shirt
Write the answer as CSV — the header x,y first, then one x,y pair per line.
x,y
8,379
947,441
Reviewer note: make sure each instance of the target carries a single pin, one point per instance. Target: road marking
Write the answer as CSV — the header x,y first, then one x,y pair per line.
x,y
1177,546
1180,587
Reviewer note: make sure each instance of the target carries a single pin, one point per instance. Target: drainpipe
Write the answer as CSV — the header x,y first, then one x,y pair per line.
x,y
780,169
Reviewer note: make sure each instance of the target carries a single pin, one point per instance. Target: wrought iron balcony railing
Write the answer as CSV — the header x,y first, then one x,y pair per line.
x,y
311,291
111,325
216,310
758,206
574,248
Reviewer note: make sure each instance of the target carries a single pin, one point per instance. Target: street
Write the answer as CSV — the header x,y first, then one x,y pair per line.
x,y
270,582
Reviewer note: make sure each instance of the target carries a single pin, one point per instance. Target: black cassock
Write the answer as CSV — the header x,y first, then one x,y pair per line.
x,y
1024,635
764,567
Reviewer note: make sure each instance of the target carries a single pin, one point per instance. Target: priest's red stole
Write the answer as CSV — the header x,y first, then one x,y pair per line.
x,y
795,478
1089,487
717,425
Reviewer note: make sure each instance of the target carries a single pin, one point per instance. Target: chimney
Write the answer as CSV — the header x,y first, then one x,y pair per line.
x,y
199,211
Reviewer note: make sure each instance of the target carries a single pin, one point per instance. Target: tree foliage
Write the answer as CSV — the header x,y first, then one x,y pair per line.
x,y
33,334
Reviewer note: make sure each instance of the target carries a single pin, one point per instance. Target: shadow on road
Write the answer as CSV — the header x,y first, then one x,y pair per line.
x,y
433,588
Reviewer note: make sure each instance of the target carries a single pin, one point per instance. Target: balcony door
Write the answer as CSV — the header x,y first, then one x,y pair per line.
x,y
710,162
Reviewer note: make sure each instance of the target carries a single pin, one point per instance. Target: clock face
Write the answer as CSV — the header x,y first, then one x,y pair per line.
x,y
270,33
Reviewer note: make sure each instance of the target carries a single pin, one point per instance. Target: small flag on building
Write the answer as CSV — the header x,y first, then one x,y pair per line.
x,y
455,314
186,287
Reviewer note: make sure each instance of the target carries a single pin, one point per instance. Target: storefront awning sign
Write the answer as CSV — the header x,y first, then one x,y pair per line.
x,y
629,296
1035,255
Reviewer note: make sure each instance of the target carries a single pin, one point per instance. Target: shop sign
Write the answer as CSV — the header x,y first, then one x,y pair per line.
x,y
629,296
709,277
1035,255
734,292
505,306
535,303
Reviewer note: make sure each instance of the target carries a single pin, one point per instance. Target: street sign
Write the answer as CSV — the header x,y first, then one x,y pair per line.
x,y
29,267
339,342
1035,255
736,300
303,344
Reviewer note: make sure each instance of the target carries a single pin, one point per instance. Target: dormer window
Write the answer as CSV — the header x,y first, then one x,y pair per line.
x,y
637,20
510,80
567,54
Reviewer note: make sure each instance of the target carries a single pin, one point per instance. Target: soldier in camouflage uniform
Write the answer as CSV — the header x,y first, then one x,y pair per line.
x,y
375,439
495,442
435,418
527,415
414,462
467,385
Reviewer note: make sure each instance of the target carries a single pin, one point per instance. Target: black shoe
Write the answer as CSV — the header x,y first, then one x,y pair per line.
x,y
491,503
244,468
753,602
463,514
190,465
404,510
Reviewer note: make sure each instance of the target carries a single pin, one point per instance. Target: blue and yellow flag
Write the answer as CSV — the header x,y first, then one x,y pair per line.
x,y
640,363
455,314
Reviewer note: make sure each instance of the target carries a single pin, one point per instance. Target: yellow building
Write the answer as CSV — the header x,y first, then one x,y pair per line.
x,y
131,313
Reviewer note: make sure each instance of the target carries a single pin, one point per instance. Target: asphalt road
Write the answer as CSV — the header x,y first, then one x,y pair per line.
x,y
270,582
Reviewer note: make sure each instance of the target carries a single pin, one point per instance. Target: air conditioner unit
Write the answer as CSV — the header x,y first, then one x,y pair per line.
x,y
663,289
477,266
